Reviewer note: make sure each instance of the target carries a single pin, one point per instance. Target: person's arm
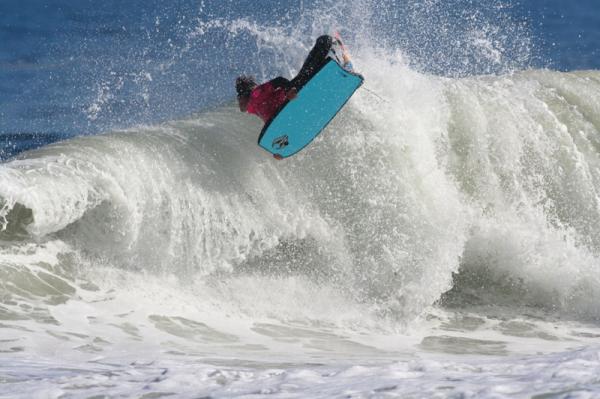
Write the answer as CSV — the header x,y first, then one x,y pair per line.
x,y
281,82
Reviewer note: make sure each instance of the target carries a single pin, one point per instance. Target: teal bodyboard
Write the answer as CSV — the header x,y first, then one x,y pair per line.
x,y
299,121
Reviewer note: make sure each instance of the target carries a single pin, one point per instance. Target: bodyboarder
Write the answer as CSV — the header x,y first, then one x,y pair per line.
x,y
264,100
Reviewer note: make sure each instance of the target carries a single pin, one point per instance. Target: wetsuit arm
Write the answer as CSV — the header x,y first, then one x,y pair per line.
x,y
281,82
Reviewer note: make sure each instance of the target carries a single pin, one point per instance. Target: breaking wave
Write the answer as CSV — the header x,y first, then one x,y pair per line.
x,y
474,189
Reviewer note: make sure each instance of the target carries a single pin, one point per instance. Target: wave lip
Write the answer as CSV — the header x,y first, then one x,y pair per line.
x,y
53,189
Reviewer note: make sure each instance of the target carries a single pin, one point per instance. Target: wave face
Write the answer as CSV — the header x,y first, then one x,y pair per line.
x,y
482,188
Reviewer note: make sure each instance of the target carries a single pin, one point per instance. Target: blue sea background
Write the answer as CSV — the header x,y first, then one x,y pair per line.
x,y
69,68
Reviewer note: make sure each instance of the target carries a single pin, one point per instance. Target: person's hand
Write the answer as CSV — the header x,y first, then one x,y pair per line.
x,y
277,157
292,93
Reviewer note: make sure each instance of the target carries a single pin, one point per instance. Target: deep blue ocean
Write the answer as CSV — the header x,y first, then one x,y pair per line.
x,y
82,67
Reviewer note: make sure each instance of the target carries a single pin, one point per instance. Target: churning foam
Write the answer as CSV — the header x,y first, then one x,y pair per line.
x,y
489,177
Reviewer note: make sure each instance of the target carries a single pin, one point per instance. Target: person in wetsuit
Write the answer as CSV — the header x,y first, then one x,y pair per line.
x,y
265,100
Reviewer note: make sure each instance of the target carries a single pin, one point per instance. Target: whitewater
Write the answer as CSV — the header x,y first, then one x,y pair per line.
x,y
439,239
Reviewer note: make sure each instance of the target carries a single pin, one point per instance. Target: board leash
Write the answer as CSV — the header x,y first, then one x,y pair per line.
x,y
373,93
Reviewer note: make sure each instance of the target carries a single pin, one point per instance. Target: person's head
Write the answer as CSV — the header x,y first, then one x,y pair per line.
x,y
244,85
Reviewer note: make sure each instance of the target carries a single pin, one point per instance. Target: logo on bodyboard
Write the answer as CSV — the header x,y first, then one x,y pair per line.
x,y
280,142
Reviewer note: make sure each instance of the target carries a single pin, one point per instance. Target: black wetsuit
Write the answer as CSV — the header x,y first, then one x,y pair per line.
x,y
315,59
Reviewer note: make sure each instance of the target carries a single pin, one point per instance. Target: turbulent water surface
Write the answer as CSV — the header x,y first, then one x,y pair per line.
x,y
440,239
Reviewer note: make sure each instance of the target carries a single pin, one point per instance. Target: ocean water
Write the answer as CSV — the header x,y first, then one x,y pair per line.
x,y
439,239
